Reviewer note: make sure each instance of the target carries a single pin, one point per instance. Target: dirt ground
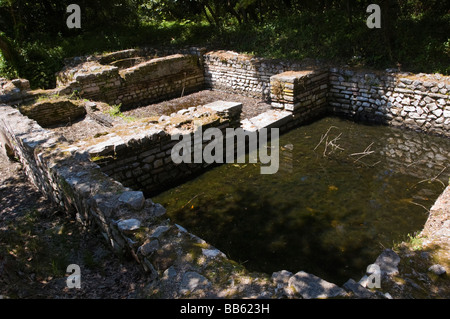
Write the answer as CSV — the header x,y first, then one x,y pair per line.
x,y
250,106
38,242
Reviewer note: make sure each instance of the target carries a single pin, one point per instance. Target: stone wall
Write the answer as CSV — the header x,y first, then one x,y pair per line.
x,y
135,225
180,264
13,91
302,93
25,136
412,154
419,103
139,154
242,74
144,83
49,112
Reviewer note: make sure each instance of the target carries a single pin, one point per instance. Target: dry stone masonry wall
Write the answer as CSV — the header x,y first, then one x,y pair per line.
x,y
419,103
54,111
139,154
141,84
302,93
242,74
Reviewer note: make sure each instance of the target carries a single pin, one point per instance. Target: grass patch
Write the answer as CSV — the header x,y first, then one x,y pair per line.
x,y
115,111
412,242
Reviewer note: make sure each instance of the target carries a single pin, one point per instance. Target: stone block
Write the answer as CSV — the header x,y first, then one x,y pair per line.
x,y
388,262
129,225
299,89
223,107
309,286
268,119
133,199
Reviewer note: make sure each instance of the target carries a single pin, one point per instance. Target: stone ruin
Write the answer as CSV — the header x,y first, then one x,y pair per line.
x,y
99,180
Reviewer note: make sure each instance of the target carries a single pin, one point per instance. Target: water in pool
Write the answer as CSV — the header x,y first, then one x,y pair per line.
x,y
331,208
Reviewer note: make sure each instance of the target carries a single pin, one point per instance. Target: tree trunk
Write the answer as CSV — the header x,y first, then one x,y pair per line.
x,y
7,50
387,26
206,15
233,12
214,16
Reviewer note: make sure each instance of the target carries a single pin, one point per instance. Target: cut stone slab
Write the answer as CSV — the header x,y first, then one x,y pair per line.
x,y
248,126
291,76
106,147
133,199
312,287
223,106
268,119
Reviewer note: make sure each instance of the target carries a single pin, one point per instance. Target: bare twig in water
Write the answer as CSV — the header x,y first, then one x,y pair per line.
x,y
420,206
333,145
324,136
192,199
434,179
366,152
329,144
416,162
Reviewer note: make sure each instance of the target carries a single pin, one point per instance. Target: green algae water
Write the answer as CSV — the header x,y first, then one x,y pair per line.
x,y
332,207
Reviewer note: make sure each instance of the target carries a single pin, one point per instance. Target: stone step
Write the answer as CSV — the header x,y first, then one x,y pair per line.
x,y
268,119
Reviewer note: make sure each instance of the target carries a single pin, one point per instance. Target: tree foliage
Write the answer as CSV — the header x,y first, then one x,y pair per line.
x,y
34,37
